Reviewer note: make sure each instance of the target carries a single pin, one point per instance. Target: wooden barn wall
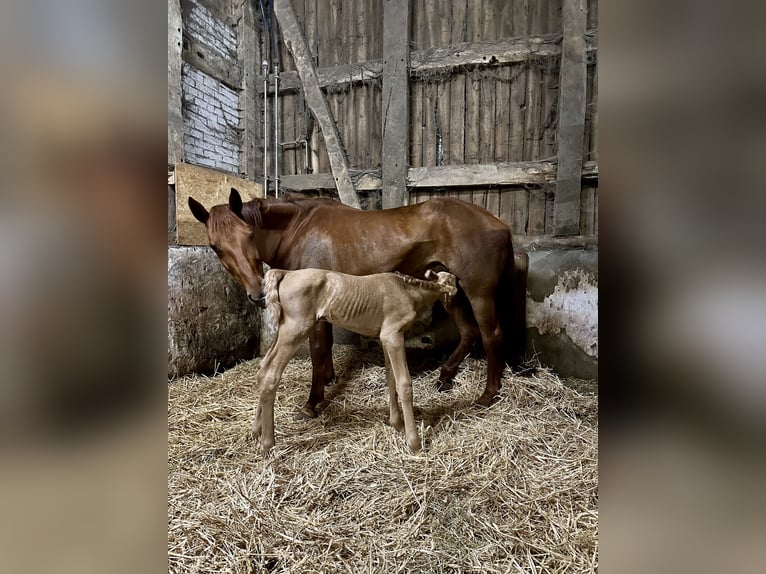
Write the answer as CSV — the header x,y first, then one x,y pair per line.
x,y
477,115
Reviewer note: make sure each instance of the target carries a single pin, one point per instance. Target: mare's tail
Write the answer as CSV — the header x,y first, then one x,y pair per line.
x,y
271,289
512,309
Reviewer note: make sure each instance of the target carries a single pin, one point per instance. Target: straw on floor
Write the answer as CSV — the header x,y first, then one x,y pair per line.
x,y
512,488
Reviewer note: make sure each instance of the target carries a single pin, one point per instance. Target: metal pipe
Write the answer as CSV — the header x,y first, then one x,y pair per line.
x,y
277,149
265,68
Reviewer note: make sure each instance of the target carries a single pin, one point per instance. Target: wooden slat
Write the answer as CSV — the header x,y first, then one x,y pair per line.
x,y
572,93
507,205
457,90
482,174
520,211
209,187
396,58
296,42
416,124
587,209
472,118
536,217
493,202
175,118
361,93
502,114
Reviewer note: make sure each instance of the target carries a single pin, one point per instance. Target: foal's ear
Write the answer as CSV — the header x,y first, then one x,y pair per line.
x,y
235,203
198,210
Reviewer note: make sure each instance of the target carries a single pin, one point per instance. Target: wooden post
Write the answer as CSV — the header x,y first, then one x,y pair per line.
x,y
572,86
175,119
248,95
315,98
396,63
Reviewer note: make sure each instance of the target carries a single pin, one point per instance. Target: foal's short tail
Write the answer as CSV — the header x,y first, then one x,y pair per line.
x,y
271,289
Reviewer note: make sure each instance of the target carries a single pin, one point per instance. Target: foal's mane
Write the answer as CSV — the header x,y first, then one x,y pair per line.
x,y
431,285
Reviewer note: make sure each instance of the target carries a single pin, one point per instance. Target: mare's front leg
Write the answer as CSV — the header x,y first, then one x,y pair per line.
x,y
460,310
322,370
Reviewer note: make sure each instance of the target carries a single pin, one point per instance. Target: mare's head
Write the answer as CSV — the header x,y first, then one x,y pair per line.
x,y
447,281
234,241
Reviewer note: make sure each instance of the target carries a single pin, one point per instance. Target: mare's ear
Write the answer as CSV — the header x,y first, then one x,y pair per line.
x,y
235,203
198,210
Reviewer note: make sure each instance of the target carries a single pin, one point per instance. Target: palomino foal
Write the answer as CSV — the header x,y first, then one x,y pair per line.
x,y
383,305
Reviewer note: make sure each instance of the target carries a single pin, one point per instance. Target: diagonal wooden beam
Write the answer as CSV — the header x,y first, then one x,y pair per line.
x,y
315,99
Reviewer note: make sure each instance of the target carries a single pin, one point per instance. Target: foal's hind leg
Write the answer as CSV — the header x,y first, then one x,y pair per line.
x,y
322,371
460,310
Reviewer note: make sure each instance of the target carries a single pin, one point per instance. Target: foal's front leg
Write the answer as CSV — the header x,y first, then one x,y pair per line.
x,y
322,371
395,415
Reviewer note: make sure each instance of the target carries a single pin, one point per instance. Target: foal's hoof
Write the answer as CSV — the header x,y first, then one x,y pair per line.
x,y
485,400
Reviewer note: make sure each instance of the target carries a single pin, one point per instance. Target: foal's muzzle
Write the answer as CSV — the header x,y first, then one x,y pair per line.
x,y
260,301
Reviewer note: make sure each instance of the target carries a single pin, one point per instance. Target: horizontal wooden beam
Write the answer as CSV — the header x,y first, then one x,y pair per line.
x,y
208,60
528,173
493,53
546,242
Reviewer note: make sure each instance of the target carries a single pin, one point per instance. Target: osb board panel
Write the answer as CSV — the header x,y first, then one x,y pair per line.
x,y
209,187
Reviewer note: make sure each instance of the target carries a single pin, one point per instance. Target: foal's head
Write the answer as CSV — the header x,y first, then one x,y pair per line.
x,y
234,241
447,281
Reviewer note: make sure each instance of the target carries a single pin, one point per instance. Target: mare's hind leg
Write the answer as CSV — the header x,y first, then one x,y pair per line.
x,y
485,312
460,310
322,370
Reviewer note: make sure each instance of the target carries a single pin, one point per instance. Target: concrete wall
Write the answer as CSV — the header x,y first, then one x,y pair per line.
x,y
562,310
211,324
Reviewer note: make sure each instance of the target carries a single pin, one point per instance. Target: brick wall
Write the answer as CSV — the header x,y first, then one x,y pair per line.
x,y
210,108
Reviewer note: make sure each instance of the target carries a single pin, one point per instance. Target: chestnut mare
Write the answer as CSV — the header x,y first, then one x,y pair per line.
x,y
442,233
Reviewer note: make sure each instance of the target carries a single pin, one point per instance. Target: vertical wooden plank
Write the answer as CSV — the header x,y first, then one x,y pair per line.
x,y
487,119
175,117
548,144
489,24
444,122
457,89
587,209
532,125
507,207
416,125
472,116
593,146
520,211
429,124
502,114
361,91
536,210
517,112
595,212
480,197
374,28
571,119
296,42
396,63
493,202
550,198
519,18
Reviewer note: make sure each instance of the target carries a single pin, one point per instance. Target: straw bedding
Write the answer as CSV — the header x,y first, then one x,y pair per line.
x,y
512,488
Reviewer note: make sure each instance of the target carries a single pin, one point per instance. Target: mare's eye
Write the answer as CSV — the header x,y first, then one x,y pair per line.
x,y
251,235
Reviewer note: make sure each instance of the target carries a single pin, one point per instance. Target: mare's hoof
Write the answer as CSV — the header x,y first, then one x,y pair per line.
x,y
305,414
485,400
444,386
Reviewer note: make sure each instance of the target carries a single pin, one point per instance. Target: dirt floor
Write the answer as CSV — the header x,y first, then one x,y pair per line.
x,y
511,488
